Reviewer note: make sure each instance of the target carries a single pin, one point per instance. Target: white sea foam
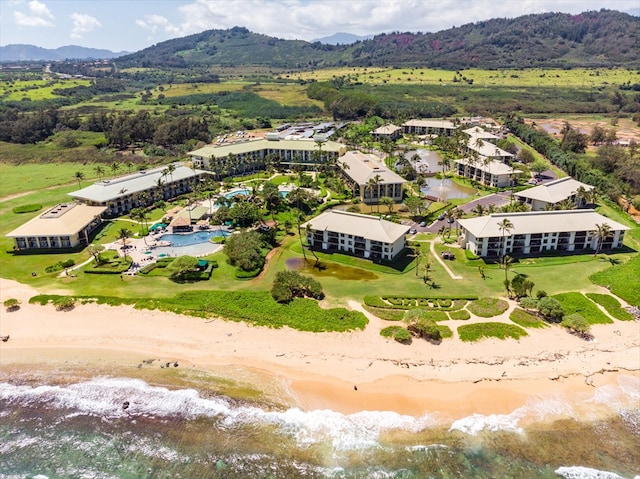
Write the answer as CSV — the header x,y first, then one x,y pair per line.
x,y
494,422
104,397
579,472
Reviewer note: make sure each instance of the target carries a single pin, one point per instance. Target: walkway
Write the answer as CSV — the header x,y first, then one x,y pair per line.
x,y
432,247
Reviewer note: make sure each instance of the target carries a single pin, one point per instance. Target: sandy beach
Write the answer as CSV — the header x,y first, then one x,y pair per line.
x,y
346,372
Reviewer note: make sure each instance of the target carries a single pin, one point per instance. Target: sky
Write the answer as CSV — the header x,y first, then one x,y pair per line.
x,y
133,25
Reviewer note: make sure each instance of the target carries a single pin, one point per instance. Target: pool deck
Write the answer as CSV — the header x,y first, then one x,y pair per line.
x,y
147,250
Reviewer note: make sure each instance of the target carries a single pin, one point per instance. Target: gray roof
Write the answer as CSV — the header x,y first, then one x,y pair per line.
x,y
554,191
386,129
361,167
109,190
261,144
533,222
437,123
371,227
477,132
494,167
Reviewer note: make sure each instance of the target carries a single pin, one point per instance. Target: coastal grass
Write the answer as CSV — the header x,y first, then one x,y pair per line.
x,y
475,332
611,304
488,307
257,308
397,333
617,278
525,319
575,302
386,314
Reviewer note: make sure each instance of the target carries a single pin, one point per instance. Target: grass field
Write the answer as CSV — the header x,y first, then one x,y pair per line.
x,y
34,90
577,77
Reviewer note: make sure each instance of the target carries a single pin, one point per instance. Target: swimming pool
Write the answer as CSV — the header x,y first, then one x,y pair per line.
x,y
192,238
233,193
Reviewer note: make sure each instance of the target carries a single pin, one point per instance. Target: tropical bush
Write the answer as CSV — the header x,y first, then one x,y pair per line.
x,y
398,333
488,307
291,284
474,332
525,319
11,304
575,302
27,208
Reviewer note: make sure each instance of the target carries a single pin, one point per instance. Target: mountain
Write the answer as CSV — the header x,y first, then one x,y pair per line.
x,y
20,52
591,39
342,38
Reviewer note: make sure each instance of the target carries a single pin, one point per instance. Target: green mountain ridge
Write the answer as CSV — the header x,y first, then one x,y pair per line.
x,y
604,38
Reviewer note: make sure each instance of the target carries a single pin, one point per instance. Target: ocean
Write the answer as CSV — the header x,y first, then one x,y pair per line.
x,y
66,426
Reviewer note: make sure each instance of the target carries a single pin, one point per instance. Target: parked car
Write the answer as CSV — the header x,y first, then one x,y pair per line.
x,y
450,220
423,224
441,217
413,231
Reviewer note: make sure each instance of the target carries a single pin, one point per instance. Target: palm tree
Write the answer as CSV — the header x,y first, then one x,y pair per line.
x,y
388,202
124,234
479,210
601,233
506,263
115,166
504,226
79,175
99,171
376,181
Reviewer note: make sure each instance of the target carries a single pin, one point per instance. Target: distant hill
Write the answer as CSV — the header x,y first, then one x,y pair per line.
x,y
591,39
20,52
342,39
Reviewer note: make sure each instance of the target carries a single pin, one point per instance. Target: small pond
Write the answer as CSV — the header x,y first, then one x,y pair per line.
x,y
446,189
332,270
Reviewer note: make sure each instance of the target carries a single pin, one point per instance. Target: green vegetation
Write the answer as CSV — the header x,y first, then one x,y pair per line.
x,y
577,303
475,332
420,323
525,319
27,208
488,307
611,304
460,315
398,333
576,323
258,308
617,279
291,284
11,304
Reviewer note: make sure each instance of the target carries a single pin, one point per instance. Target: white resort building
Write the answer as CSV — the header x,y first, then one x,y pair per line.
x,y
361,235
548,195
249,156
66,225
121,195
369,178
432,127
537,231
489,172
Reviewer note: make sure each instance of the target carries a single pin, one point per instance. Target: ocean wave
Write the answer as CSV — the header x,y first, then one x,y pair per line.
x,y
106,397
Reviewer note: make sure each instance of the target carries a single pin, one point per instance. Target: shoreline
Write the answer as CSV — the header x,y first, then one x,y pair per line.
x,y
321,370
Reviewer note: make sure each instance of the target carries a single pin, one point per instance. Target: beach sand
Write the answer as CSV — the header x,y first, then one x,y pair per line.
x,y
345,372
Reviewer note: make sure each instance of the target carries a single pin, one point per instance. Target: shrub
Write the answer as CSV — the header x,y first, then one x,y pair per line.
x,y
529,303
575,323
386,314
420,324
488,307
398,333
291,284
27,208
11,304
462,315
375,301
526,320
474,332
551,309
541,293
64,303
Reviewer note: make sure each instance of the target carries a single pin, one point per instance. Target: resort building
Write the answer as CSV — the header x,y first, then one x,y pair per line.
x,y
360,235
121,195
482,144
429,127
488,172
387,132
550,195
246,157
66,225
370,179
537,231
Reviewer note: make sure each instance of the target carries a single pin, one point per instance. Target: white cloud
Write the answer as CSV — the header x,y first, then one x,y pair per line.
x,y
37,16
82,24
158,23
